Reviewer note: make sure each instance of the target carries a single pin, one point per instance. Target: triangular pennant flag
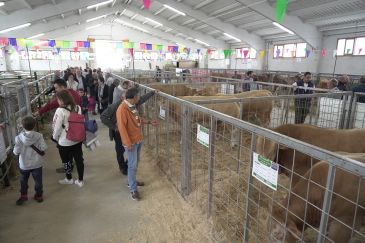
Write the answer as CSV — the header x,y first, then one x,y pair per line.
x,y
307,52
281,6
66,44
131,45
245,53
51,43
142,46
58,50
76,49
131,52
159,47
277,53
323,53
147,4
149,47
80,44
119,45
59,43
227,53
209,51
262,53
12,42
125,44
87,44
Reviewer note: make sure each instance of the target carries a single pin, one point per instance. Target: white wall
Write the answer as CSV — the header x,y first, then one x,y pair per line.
x,y
347,65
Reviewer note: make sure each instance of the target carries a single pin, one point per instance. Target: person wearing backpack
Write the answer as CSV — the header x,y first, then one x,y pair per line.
x,y
30,147
69,132
108,118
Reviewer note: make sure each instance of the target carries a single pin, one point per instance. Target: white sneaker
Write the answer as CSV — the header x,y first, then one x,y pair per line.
x,y
66,181
79,183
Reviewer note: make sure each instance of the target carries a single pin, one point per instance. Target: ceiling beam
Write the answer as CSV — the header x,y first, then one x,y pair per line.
x,y
319,6
160,34
254,23
203,3
254,40
174,16
24,15
27,4
201,27
159,11
309,33
177,27
54,2
3,12
343,26
240,16
189,21
221,10
354,14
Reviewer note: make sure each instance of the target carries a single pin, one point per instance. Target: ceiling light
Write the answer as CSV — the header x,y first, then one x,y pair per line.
x,y
35,36
15,28
174,9
96,18
232,37
92,27
202,42
2,4
283,28
99,4
153,21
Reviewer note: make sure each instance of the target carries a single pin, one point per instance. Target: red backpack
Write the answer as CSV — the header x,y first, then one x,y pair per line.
x,y
76,127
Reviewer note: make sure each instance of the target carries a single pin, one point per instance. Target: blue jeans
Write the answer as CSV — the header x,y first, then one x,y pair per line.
x,y
133,158
37,176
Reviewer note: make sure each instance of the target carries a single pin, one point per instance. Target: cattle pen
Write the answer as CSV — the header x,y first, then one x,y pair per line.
x,y
193,148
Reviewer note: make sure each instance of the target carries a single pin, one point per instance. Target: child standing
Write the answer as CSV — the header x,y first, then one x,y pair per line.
x,y
30,146
84,104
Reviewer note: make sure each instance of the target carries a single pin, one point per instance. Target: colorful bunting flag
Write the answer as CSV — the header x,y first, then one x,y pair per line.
x,y
125,44
307,52
159,47
131,52
262,53
149,47
227,53
142,46
119,45
87,44
76,49
12,41
154,47
51,43
80,44
147,4
66,44
59,43
277,53
245,53
323,53
281,6
175,49
131,45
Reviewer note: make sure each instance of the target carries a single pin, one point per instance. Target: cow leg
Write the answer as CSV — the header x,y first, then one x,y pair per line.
x,y
337,232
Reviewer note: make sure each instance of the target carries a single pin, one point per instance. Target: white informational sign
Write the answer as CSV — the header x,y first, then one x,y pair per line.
x,y
162,113
265,171
203,136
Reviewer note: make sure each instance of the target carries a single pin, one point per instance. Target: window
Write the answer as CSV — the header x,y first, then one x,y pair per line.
x,y
290,50
359,46
300,51
240,53
138,55
351,47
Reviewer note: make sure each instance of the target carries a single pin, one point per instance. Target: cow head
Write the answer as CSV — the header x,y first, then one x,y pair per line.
x,y
280,233
266,148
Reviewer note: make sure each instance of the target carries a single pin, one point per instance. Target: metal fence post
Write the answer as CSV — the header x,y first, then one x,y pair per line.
x,y
212,134
27,97
185,151
326,203
239,139
342,124
248,193
352,112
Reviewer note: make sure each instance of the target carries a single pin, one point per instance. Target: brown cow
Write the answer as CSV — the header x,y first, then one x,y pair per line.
x,y
300,208
174,89
350,140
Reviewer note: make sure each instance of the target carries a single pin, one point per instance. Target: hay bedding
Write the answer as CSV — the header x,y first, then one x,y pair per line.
x,y
229,189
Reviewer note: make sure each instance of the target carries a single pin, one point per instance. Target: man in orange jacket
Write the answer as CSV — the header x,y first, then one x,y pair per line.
x,y
130,129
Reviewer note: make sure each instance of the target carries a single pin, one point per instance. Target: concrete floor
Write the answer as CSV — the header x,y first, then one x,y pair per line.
x,y
102,210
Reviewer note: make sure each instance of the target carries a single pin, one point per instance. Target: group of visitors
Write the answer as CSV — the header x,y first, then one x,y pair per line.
x,y
118,105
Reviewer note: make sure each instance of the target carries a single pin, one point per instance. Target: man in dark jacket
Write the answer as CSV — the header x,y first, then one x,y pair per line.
x,y
103,95
108,118
81,80
361,89
302,105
